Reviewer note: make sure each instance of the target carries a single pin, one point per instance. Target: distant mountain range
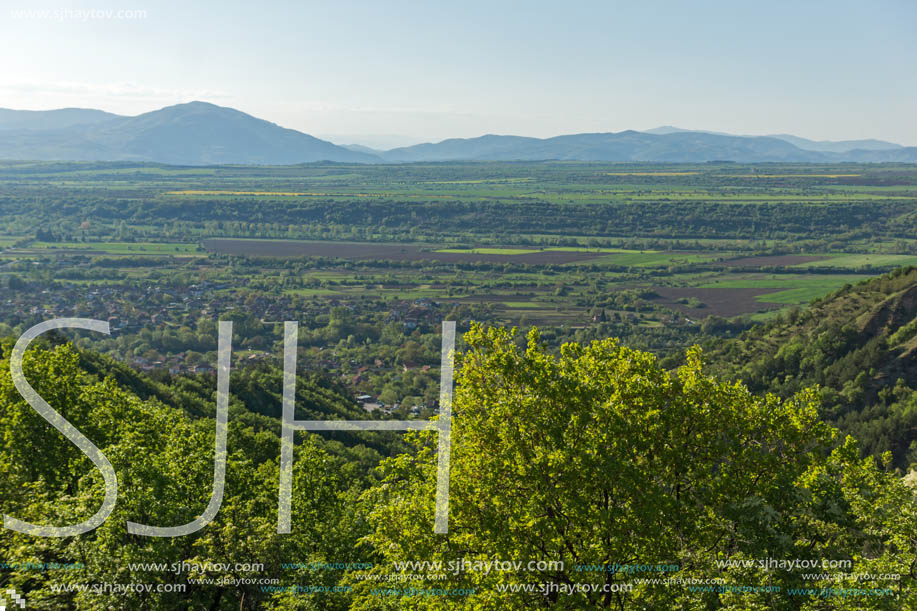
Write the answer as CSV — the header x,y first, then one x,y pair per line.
x,y
199,133
837,146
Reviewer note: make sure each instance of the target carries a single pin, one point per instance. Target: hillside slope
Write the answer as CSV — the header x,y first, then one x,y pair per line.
x,y
858,344
157,440
196,133
53,119
200,133
662,146
622,146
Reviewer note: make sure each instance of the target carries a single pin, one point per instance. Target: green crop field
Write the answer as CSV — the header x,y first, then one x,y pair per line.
x,y
121,248
648,259
784,281
562,245
863,260
488,251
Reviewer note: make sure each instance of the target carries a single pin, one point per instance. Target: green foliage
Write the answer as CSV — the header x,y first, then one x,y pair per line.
x,y
593,455
857,345
598,456
164,462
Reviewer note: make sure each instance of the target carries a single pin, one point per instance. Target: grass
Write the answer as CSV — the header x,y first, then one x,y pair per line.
x,y
765,316
783,281
336,194
788,175
488,251
795,296
649,258
795,288
590,249
651,173
854,261
217,192
124,248
479,181
311,292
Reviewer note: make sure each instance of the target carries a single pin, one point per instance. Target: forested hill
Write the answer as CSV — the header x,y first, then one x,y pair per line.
x,y
859,344
159,436
600,432
255,396
255,399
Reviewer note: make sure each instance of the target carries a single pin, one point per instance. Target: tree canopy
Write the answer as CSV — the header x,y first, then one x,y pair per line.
x,y
598,457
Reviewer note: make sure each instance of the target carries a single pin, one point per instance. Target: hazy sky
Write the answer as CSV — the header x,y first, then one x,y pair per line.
x,y
426,70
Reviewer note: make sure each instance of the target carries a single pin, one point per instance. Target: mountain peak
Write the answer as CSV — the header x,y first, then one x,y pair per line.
x,y
191,133
203,133
195,107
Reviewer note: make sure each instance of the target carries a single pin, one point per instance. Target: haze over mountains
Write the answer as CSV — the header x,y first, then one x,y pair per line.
x,y
199,133
186,134
837,146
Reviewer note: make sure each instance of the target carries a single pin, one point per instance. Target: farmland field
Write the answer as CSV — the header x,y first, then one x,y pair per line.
x,y
113,248
371,259
780,260
861,260
642,251
414,306
396,252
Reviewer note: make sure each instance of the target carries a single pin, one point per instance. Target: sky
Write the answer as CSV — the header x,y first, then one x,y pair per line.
x,y
395,72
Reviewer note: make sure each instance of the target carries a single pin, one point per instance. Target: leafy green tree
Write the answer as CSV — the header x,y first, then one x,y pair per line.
x,y
163,459
600,457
